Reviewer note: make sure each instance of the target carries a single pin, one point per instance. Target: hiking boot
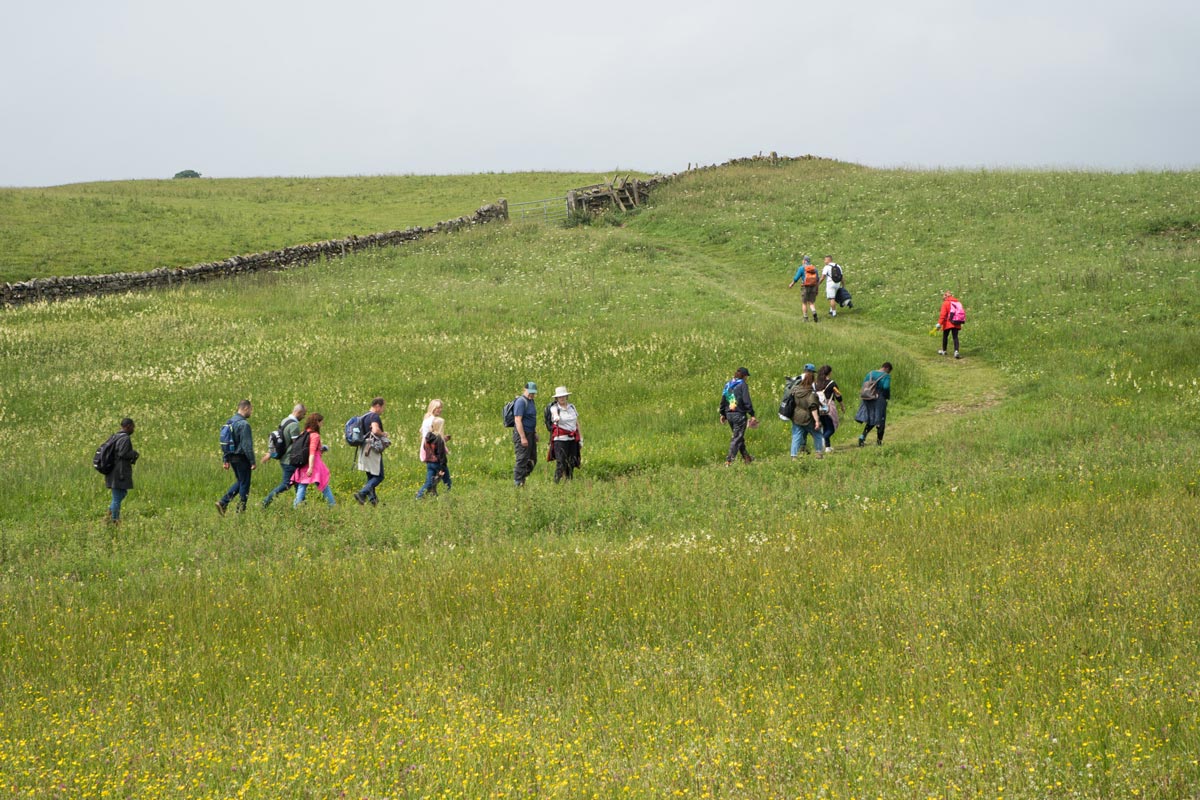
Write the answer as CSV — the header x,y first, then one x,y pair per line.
x,y
815,317
749,459
220,508
879,442
361,500
941,352
729,462
956,355
241,507
861,441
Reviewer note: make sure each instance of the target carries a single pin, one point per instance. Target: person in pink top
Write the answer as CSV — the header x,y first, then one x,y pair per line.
x,y
315,473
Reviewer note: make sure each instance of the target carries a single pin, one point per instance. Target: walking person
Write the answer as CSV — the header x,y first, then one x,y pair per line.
x,y
834,278
315,473
738,411
524,435
872,408
805,419
950,321
119,479
289,429
237,454
369,457
831,407
433,411
807,273
564,435
436,456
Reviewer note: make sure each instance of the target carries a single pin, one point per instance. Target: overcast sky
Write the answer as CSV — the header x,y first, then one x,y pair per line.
x,y
123,89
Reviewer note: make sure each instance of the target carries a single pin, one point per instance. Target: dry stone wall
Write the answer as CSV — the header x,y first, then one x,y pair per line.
x,y
287,258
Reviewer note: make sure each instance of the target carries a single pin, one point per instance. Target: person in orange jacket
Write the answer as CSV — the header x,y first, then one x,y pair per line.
x,y
950,321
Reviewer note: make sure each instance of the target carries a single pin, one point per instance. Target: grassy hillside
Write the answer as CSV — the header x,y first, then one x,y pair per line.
x,y
1000,601
129,226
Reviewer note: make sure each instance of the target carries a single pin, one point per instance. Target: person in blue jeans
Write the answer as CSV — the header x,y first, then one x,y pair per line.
x,y
120,479
436,456
370,460
805,421
289,429
241,460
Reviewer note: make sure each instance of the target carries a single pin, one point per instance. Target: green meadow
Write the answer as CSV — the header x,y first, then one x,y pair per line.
x,y
1001,601
132,226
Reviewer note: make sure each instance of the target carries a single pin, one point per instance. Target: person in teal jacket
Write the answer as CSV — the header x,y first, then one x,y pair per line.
x,y
873,413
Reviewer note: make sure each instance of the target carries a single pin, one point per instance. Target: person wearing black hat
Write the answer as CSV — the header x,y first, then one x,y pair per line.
x,y
737,410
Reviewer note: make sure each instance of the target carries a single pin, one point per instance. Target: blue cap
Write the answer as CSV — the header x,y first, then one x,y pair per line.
x,y
810,368
531,387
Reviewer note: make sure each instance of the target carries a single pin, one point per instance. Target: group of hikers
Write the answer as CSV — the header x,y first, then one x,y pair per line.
x,y
812,402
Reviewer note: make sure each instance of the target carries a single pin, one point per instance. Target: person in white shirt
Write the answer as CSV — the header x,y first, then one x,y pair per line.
x,y
831,286
564,435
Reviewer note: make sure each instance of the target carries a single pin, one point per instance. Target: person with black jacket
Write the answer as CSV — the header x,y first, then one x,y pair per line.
x,y
120,479
738,411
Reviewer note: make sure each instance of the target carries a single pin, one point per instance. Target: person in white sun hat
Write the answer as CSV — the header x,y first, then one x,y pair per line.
x,y
565,440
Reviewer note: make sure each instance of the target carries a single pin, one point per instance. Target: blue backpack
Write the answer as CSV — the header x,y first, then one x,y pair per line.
x,y
354,432
228,440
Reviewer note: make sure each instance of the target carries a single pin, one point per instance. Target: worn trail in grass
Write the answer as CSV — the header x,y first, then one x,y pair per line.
x,y
968,386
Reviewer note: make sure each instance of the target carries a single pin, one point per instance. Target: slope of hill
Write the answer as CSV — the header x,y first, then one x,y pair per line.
x,y
1000,601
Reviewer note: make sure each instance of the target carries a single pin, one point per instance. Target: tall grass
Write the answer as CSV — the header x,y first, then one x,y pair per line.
x,y
998,602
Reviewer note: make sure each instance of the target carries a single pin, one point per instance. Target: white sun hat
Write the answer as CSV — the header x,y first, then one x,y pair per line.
x,y
561,391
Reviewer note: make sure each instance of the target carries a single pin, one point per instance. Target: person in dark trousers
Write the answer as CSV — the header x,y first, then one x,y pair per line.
x,y
808,277
241,460
289,428
737,411
947,325
872,413
524,435
370,460
565,437
120,479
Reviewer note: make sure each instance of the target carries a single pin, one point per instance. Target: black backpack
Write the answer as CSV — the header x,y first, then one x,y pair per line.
x,y
105,459
787,403
835,272
297,454
548,417
510,419
275,441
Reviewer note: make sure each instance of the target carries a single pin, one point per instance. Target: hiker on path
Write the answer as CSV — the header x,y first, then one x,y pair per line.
x,y
872,409
432,412
805,419
834,278
564,435
436,456
832,407
524,435
289,429
120,479
315,473
810,277
369,457
738,411
237,454
950,321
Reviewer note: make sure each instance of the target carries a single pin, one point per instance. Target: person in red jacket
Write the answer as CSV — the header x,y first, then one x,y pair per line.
x,y
950,321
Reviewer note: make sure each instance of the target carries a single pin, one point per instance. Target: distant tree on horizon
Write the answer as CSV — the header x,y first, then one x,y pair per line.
x,y
187,173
